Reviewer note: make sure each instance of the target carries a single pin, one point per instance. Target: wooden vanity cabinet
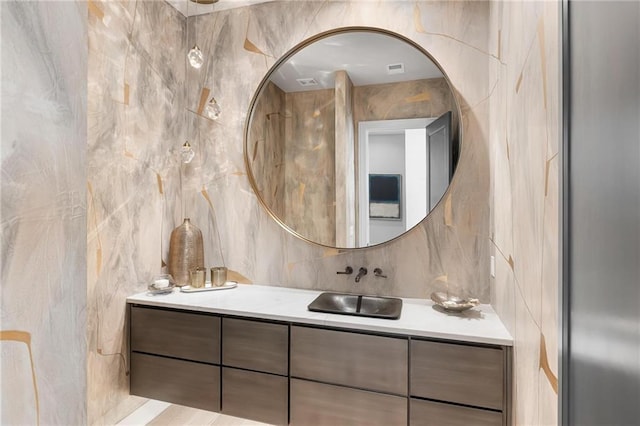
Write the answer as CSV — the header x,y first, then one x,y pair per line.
x,y
472,377
347,378
286,373
255,345
178,334
318,404
255,359
177,381
365,361
432,413
175,357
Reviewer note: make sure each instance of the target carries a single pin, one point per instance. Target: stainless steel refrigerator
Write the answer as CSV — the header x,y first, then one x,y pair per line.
x,y
601,213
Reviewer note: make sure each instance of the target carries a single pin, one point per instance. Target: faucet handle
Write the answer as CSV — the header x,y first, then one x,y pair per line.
x,y
347,271
361,273
378,273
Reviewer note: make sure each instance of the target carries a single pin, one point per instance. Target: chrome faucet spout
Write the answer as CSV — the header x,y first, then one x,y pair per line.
x,y
361,273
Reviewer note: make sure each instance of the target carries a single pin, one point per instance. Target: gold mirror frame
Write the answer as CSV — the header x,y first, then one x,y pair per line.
x,y
285,58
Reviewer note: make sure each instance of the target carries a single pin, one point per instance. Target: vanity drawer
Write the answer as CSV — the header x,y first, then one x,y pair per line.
x,y
359,360
430,413
320,404
470,375
256,396
176,334
255,345
173,380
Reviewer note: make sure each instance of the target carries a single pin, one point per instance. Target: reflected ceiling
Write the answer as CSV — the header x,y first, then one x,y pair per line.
x,y
375,53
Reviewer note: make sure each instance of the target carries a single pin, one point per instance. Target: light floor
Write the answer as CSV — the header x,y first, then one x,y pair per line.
x,y
159,413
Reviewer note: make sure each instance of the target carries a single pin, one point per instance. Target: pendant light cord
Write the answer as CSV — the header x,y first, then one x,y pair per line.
x,y
183,204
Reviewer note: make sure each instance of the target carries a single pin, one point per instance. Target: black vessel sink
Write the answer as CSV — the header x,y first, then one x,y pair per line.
x,y
359,305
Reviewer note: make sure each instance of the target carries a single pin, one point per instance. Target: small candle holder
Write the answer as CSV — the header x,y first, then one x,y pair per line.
x,y
218,276
197,277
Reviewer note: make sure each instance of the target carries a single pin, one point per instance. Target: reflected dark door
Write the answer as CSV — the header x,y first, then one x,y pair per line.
x,y
439,158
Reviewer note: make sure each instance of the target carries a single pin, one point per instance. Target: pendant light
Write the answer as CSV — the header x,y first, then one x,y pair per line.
x,y
195,55
187,153
212,109
196,59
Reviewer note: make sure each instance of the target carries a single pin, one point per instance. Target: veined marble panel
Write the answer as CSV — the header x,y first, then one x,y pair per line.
x,y
43,347
450,248
409,99
134,192
267,143
345,166
309,164
137,120
525,135
526,373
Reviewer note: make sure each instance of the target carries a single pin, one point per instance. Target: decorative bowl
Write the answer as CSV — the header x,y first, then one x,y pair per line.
x,y
161,284
450,302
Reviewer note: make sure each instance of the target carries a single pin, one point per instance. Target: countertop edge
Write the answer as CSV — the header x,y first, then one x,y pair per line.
x,y
389,327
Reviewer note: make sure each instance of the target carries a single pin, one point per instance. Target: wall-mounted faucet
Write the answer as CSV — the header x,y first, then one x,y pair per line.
x,y
361,273
347,271
378,273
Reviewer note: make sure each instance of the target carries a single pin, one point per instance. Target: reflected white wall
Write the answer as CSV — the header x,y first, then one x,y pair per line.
x,y
416,170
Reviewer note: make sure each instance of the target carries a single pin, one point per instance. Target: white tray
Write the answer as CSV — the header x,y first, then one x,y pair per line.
x,y
208,287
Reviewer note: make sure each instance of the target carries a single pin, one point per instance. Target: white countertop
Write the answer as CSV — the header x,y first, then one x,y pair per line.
x,y
419,317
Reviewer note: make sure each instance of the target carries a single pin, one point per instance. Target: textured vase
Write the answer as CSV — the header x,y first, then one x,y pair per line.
x,y
186,252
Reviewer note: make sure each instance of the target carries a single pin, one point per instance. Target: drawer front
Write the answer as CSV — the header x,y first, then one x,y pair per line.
x,y
255,396
464,374
177,334
176,381
255,345
429,413
359,360
319,404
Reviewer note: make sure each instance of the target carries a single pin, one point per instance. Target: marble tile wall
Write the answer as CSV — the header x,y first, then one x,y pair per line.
x,y
266,146
43,213
139,113
345,164
524,138
411,99
309,164
450,248
136,121
291,145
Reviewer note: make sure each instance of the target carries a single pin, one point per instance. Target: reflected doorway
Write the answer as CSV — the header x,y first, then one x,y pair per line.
x,y
404,169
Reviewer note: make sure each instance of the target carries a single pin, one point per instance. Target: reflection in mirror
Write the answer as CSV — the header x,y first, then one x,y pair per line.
x,y
352,138
405,167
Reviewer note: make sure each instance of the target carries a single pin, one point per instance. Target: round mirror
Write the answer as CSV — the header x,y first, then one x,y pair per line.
x,y
352,138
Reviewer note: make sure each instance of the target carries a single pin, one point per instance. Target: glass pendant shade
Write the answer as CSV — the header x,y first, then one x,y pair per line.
x,y
187,153
212,109
195,56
